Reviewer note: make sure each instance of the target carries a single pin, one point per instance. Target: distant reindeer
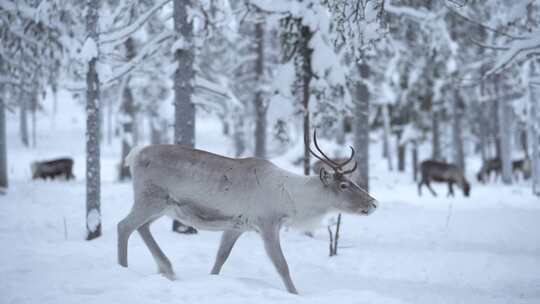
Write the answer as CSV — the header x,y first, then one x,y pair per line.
x,y
522,165
437,171
53,168
492,165
495,165
213,192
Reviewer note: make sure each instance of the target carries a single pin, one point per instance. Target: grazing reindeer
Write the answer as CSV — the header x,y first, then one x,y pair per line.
x,y
53,168
495,165
491,165
213,192
436,171
522,165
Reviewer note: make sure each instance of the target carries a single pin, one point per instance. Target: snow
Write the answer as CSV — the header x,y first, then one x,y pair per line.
x,y
89,50
93,219
482,249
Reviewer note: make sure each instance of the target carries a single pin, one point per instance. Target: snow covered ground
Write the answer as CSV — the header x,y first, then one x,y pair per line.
x,y
482,249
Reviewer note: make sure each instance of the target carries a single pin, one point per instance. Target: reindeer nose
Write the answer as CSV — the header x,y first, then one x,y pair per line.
x,y
373,204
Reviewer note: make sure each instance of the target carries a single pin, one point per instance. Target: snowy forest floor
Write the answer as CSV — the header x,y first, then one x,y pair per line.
x,y
482,249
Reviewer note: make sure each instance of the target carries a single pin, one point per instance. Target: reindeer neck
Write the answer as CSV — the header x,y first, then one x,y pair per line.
x,y
310,198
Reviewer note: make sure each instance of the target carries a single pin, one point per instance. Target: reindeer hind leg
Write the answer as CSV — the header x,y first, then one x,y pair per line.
x,y
228,239
164,265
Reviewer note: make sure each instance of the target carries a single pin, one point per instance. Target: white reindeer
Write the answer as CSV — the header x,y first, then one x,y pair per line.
x,y
213,192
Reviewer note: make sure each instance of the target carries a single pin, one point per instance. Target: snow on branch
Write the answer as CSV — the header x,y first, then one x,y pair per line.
x,y
122,33
147,51
19,8
214,88
416,14
517,50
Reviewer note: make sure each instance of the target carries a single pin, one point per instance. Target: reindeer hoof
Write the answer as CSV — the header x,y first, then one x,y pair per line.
x,y
169,275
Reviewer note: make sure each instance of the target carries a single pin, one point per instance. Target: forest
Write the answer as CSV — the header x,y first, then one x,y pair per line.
x,y
389,150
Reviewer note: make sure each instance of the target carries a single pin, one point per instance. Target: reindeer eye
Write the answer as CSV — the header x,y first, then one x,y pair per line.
x,y
343,186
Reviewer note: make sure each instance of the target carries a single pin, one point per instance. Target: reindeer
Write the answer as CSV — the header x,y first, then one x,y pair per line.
x,y
213,192
495,165
442,172
489,166
53,168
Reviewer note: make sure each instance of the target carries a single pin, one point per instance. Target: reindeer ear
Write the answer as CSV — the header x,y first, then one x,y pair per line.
x,y
325,176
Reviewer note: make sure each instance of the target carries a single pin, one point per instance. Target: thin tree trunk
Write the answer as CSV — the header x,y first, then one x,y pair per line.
x,y
127,110
33,110
483,138
24,118
184,76
505,136
401,156
109,121
54,89
386,136
459,156
534,133
307,74
260,107
3,144
415,160
340,136
239,133
93,213
436,140
497,123
361,126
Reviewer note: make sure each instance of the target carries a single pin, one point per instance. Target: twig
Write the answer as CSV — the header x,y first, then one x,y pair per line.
x,y
65,229
331,241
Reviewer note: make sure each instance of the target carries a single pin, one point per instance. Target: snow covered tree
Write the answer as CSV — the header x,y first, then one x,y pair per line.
x,y
260,104
3,141
184,77
93,178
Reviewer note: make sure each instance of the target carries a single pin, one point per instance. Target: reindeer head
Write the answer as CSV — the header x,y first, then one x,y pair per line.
x,y
349,195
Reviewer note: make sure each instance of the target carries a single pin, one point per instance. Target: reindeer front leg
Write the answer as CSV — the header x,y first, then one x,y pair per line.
x,y
270,236
450,189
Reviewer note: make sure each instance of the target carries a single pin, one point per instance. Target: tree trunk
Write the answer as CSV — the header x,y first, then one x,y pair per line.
x,y
457,112
415,160
54,89
483,137
436,140
109,121
24,118
361,126
3,144
386,136
239,133
497,125
184,76
93,213
505,135
260,107
307,74
33,110
127,110
340,136
401,156
534,133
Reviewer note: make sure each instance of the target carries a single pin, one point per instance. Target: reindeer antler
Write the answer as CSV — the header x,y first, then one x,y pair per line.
x,y
337,167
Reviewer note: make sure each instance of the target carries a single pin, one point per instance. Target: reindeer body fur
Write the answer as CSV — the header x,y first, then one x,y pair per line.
x,y
213,192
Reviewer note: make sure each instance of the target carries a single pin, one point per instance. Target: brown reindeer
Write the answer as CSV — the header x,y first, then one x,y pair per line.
x,y
438,171
495,165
